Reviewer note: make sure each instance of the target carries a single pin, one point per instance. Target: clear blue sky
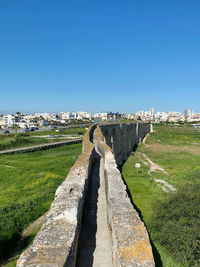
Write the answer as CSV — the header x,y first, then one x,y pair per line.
x,y
114,55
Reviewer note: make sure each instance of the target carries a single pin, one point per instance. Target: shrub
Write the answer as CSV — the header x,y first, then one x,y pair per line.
x,y
176,225
19,141
14,217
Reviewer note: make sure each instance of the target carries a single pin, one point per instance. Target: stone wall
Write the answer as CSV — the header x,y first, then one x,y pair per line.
x,y
123,138
56,243
130,241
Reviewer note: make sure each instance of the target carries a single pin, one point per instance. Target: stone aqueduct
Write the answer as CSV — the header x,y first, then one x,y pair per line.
x,y
92,204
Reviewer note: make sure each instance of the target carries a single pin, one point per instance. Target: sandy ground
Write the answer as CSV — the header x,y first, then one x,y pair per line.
x,y
152,166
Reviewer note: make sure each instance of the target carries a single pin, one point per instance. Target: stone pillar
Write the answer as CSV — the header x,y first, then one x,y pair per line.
x,y
151,128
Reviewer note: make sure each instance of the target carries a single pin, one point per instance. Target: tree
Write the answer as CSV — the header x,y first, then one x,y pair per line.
x,y
15,127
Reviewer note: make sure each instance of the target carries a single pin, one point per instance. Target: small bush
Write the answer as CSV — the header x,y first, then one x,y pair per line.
x,y
23,135
19,141
176,225
14,217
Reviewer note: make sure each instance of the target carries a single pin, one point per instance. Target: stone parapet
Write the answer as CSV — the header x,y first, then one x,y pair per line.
x,y
130,241
56,243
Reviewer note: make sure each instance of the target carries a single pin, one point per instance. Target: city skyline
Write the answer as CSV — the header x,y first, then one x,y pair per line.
x,y
32,121
102,111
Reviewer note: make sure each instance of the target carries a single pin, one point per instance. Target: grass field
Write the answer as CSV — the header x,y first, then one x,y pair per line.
x,y
172,218
27,186
10,141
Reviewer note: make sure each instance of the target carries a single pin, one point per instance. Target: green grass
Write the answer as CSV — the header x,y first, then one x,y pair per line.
x,y
29,139
54,132
23,244
12,263
175,135
177,150
175,224
27,186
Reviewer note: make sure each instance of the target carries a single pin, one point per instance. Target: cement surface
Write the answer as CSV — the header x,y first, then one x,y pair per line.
x,y
95,242
103,250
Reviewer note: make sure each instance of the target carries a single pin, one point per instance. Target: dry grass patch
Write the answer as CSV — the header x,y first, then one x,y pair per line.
x,y
170,148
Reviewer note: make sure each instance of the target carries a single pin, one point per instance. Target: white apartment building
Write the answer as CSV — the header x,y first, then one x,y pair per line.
x,y
84,115
9,120
2,123
140,113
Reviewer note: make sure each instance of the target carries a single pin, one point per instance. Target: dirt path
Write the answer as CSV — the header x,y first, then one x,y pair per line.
x,y
165,185
34,226
155,167
38,147
152,166
145,138
7,166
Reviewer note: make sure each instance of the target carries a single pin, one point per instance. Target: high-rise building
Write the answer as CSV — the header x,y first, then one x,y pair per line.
x,y
187,112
